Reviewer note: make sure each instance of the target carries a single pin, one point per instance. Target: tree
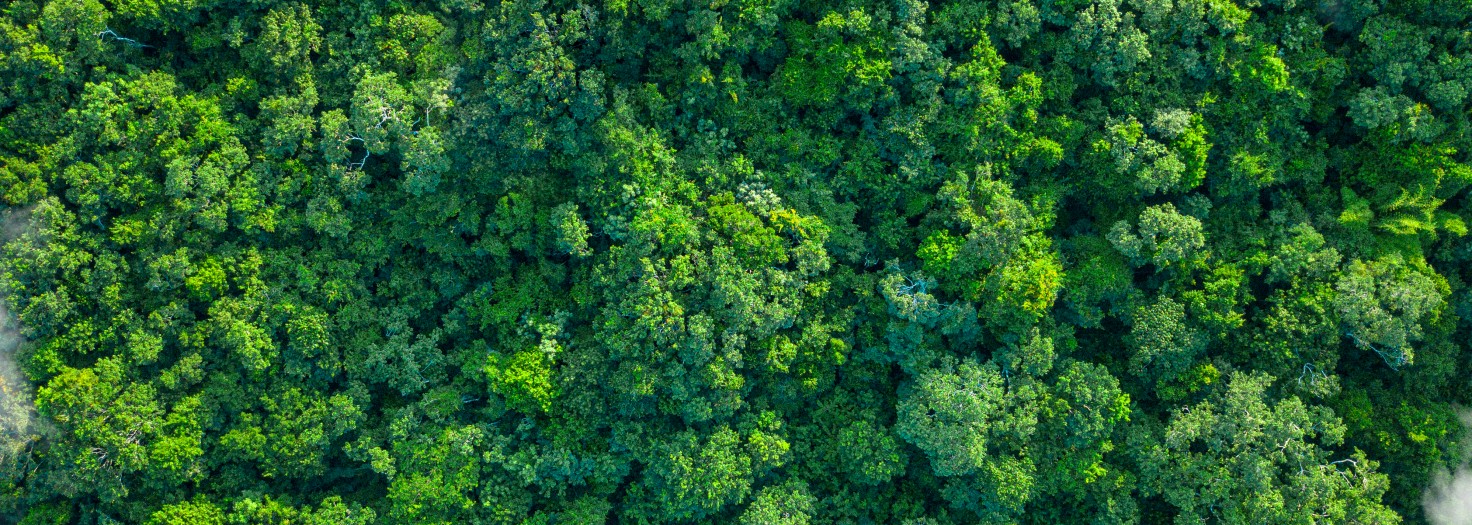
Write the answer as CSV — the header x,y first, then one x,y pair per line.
x,y
1383,303
690,478
1164,345
1163,237
1242,457
786,504
973,426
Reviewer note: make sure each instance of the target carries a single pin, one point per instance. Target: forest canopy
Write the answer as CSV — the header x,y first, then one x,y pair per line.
x,y
775,262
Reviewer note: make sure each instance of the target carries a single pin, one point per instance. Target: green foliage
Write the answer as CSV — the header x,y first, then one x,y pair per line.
x,y
1164,345
1246,443
1384,303
524,379
738,261
690,479
1164,237
787,504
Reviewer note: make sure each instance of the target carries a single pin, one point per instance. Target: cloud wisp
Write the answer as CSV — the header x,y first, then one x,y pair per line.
x,y
1448,500
17,409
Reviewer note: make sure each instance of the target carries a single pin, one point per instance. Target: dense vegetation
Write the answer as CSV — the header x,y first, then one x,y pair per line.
x,y
733,261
